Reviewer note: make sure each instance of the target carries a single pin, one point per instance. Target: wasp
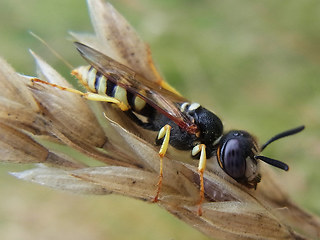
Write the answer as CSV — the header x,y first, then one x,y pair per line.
x,y
180,123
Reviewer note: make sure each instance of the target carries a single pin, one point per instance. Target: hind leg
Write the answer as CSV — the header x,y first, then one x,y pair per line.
x,y
88,95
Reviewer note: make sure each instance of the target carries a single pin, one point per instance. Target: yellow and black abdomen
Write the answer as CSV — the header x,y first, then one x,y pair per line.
x,y
95,82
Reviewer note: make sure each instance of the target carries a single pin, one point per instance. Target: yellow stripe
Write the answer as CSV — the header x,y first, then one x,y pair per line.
x,y
121,94
102,88
139,104
92,79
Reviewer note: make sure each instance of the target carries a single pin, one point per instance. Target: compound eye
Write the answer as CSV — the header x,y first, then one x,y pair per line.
x,y
234,159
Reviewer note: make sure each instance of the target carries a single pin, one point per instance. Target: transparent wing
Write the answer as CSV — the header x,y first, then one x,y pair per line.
x,y
163,100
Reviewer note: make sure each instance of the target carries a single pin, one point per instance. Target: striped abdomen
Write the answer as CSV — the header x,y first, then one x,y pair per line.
x,y
95,82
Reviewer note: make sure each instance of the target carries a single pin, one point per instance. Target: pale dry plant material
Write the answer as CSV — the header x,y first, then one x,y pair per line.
x,y
129,160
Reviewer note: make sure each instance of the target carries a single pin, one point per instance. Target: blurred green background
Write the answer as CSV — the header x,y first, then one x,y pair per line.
x,y
255,63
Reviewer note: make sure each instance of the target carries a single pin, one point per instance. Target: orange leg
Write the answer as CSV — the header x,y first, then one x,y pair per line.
x,y
164,132
201,168
201,192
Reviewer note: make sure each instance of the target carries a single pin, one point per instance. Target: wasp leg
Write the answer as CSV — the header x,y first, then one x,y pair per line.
x,y
201,167
87,95
102,98
164,132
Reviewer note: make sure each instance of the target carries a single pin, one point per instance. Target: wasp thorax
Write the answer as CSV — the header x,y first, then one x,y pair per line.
x,y
210,126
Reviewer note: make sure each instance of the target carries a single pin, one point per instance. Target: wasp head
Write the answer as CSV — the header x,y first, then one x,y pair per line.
x,y
238,155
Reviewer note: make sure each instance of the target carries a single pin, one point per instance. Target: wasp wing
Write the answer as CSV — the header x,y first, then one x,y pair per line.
x,y
163,100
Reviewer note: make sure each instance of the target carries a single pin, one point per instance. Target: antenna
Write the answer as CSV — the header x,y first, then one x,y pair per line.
x,y
273,162
282,135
